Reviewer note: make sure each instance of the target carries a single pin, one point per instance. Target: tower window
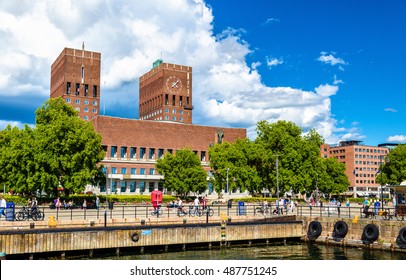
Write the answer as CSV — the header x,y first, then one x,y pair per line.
x,y
86,89
68,88
77,88
94,91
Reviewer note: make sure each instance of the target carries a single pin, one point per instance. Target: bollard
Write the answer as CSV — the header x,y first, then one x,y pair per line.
x,y
32,225
105,218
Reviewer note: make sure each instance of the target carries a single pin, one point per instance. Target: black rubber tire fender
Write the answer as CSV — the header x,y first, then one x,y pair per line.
x,y
314,230
135,237
340,229
402,235
371,232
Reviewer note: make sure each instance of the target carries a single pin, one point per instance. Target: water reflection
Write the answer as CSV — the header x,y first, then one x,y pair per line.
x,y
289,251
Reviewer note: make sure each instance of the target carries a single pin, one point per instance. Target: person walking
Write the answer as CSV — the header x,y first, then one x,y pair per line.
x,y
196,203
3,205
204,202
97,202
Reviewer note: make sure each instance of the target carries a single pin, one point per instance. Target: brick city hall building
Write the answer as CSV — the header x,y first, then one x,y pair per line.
x,y
132,146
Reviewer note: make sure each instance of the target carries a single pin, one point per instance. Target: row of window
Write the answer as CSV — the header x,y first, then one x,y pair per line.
x,y
358,150
77,89
366,150
366,169
367,162
131,186
86,110
85,102
144,152
133,171
364,181
367,156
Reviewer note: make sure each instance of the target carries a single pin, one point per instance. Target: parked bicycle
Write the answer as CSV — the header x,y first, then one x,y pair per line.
x,y
262,210
29,213
205,211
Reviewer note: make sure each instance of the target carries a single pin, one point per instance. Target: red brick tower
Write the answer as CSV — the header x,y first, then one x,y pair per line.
x,y
75,76
165,93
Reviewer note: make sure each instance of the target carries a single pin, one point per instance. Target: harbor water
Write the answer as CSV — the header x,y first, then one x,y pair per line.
x,y
274,251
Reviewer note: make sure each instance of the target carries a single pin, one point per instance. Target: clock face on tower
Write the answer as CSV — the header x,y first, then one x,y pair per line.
x,y
173,84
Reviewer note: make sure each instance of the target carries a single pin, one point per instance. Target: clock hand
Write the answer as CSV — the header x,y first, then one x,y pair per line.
x,y
175,84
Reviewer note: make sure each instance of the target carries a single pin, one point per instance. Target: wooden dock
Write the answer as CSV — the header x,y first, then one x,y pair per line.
x,y
63,239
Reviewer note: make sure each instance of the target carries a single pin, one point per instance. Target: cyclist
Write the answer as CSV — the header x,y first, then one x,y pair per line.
x,y
180,207
34,205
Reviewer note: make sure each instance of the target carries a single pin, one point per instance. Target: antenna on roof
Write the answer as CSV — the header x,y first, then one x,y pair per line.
x,y
83,46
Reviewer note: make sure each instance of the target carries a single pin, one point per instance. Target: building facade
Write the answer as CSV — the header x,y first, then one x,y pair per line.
x,y
132,146
362,165
165,93
75,76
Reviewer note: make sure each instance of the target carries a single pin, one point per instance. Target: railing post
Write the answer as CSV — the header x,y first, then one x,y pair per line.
x,y
105,218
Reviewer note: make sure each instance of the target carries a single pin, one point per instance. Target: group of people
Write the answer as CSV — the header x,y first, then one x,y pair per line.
x,y
284,205
195,205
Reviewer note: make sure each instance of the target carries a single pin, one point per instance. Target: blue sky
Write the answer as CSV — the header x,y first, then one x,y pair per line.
x,y
336,66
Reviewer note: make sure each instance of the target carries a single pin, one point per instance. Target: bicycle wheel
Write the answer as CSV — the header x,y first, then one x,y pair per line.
x,y
399,217
211,212
258,211
266,211
199,213
160,212
20,216
40,215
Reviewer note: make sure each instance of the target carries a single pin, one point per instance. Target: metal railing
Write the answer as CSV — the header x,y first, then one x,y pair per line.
x,y
145,211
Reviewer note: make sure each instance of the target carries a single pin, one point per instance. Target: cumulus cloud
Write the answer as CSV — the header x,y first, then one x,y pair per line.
x,y
227,91
271,62
330,59
397,138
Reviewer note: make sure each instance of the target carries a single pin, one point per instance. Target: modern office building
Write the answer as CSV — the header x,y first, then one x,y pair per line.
x,y
362,165
132,146
75,76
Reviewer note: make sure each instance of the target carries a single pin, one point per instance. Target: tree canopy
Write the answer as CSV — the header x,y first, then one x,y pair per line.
x,y
61,150
394,168
182,172
281,153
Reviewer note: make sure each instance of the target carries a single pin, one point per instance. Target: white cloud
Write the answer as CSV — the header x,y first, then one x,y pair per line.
x,y
397,138
271,20
391,110
271,62
326,90
131,35
330,59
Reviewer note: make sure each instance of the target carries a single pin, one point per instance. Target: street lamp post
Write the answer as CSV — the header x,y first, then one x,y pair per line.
x,y
380,169
277,175
227,181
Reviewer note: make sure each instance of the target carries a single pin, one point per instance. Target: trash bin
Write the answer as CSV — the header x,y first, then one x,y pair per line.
x,y
229,203
241,208
10,211
111,203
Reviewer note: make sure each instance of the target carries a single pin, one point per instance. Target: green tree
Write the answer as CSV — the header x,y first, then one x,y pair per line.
x,y
332,178
394,169
61,149
183,172
240,161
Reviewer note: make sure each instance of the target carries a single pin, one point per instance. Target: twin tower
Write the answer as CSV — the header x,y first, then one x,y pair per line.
x,y
165,92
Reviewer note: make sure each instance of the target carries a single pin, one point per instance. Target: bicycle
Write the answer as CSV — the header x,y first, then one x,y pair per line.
x,y
262,210
158,212
29,213
205,211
